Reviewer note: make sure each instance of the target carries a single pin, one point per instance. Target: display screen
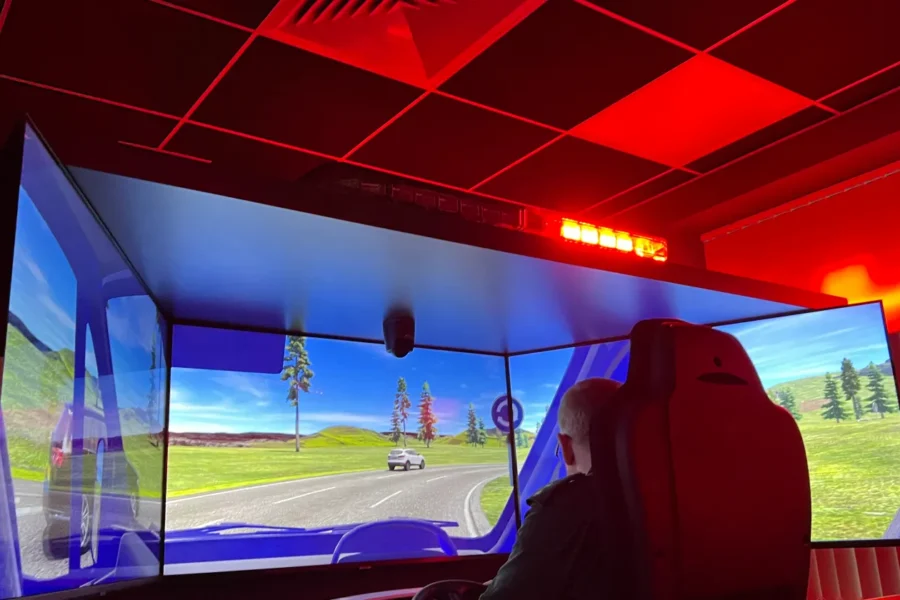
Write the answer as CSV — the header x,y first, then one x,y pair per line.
x,y
83,395
336,449
831,369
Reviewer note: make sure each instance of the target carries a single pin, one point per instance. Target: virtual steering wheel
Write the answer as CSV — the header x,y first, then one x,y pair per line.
x,y
451,589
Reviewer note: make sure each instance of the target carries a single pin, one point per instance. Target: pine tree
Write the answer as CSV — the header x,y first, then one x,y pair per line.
x,y
396,432
471,426
402,404
851,386
298,372
833,409
787,401
427,418
482,434
878,402
521,439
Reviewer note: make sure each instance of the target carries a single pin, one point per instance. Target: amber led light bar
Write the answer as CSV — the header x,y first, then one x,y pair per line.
x,y
622,241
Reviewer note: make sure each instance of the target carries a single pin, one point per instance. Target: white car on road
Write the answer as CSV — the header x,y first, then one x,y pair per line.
x,y
405,458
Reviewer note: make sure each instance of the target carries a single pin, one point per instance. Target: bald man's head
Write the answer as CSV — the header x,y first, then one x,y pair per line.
x,y
576,410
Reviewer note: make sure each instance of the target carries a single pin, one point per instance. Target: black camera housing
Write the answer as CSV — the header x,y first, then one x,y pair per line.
x,y
399,332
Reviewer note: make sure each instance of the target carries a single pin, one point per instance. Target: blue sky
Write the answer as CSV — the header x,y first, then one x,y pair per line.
x,y
43,285
44,295
354,384
810,344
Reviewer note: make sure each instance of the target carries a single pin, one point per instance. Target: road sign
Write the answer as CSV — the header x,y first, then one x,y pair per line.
x,y
500,414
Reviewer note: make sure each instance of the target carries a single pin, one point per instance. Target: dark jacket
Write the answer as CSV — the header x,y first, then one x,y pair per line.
x,y
558,547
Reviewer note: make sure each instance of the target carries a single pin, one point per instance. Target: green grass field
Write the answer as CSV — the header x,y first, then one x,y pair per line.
x,y
199,469
853,474
494,497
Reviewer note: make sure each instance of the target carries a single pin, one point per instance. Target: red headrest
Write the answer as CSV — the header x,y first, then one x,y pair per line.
x,y
713,473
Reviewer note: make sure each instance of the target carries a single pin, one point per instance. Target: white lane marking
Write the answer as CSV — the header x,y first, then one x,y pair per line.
x,y
467,509
29,511
18,499
265,485
384,477
383,500
435,479
304,495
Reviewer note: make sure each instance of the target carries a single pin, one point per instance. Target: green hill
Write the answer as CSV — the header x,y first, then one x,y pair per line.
x,y
337,436
810,391
460,439
36,385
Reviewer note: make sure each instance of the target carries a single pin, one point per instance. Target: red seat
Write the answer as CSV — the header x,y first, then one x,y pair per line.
x,y
704,479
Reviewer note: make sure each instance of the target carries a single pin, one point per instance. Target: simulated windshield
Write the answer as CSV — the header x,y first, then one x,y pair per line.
x,y
326,436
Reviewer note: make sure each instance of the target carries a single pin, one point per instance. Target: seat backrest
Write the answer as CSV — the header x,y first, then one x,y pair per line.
x,y
711,475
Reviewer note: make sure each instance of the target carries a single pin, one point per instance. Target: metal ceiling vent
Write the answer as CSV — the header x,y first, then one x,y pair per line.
x,y
320,11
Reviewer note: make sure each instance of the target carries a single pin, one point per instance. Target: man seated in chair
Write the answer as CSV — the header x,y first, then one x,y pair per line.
x,y
556,551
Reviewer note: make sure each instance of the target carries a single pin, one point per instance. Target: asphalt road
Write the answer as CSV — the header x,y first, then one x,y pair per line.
x,y
31,522
451,493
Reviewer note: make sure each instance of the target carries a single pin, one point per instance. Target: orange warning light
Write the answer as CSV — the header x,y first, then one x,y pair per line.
x,y
588,234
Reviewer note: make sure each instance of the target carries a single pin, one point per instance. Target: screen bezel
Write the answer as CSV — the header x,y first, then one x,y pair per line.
x,y
11,154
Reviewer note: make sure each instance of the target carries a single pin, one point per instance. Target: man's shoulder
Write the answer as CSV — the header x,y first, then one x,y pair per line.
x,y
572,489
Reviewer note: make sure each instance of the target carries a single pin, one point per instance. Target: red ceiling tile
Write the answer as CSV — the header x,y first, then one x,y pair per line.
x,y
416,42
698,23
697,107
825,141
248,13
765,136
289,95
564,63
241,155
138,53
571,175
451,142
606,209
79,130
879,83
818,46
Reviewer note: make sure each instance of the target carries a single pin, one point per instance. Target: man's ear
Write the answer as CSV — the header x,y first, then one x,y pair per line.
x,y
568,452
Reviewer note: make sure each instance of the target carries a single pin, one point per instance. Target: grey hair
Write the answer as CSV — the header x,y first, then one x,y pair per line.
x,y
579,403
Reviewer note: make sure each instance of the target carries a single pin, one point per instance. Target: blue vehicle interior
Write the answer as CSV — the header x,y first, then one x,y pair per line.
x,y
219,273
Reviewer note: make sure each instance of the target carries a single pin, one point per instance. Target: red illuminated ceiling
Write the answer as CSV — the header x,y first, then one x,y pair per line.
x,y
644,114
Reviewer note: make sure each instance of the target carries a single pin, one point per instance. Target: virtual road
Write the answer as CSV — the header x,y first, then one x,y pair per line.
x,y
451,493
442,493
31,522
